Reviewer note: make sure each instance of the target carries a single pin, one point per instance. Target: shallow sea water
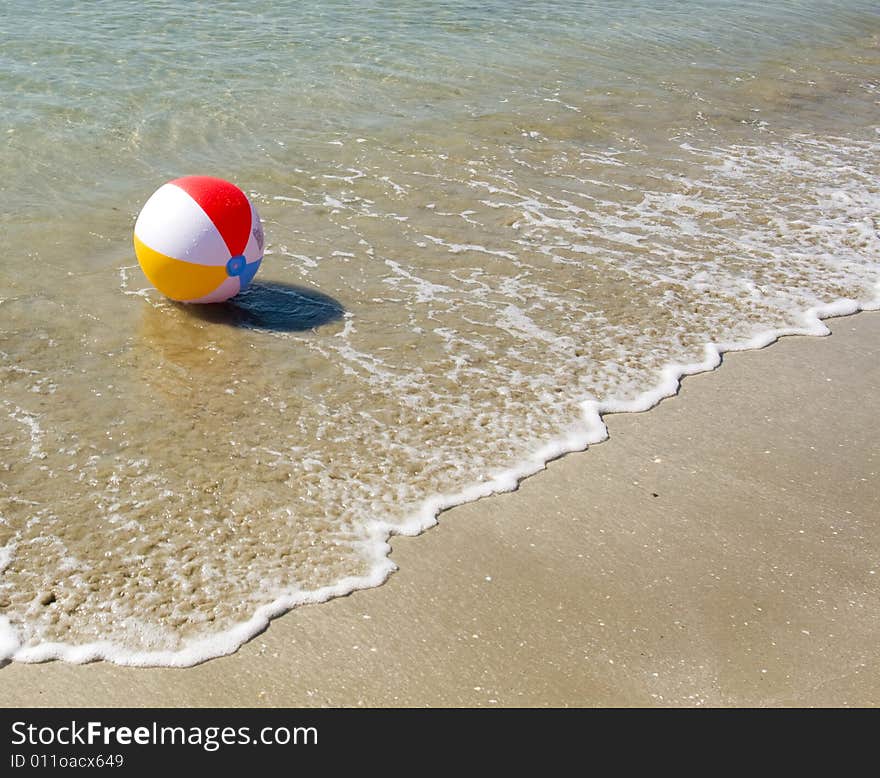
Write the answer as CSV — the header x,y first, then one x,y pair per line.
x,y
486,224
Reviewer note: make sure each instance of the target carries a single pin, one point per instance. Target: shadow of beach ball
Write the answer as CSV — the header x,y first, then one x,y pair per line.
x,y
199,239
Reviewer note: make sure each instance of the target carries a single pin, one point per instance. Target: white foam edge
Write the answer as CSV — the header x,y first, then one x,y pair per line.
x,y
591,430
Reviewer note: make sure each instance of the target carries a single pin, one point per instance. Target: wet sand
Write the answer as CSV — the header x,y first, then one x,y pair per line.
x,y
722,549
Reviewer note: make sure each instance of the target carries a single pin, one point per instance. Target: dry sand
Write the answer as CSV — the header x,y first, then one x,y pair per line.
x,y
721,549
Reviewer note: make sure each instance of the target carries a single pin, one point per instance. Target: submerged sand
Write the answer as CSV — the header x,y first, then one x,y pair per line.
x,y
722,549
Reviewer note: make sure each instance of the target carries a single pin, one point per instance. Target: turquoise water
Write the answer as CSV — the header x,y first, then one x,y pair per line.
x,y
486,225
102,99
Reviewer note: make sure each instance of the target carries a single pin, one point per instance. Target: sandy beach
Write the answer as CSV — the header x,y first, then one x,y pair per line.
x,y
722,549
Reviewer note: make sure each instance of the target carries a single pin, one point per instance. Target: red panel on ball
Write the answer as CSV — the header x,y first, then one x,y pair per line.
x,y
226,206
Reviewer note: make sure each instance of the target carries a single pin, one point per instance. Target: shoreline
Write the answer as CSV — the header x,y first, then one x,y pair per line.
x,y
593,430
380,646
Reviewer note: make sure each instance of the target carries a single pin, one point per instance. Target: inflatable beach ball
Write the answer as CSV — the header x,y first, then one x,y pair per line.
x,y
199,240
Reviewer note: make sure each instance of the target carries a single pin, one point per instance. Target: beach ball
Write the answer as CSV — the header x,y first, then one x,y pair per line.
x,y
199,240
